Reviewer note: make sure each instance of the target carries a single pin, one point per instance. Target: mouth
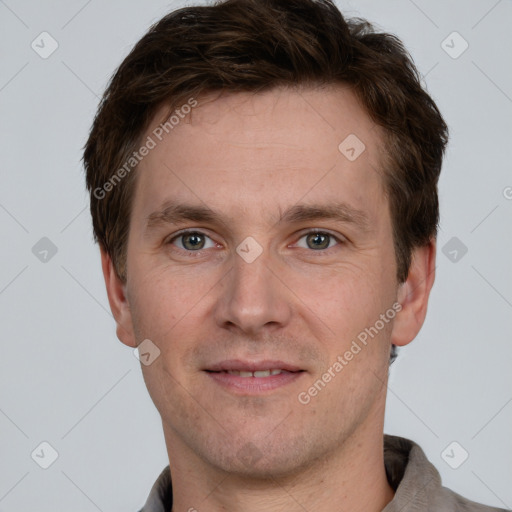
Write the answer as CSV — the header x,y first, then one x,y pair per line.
x,y
258,373
249,378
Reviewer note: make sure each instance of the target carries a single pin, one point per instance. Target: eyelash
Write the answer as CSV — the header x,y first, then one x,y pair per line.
x,y
197,253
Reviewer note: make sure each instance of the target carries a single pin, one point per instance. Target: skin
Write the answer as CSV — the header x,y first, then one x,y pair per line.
x,y
250,157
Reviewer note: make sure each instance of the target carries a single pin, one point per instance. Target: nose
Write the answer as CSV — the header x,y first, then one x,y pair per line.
x,y
252,297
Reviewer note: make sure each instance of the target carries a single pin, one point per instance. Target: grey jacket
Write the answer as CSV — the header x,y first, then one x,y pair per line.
x,y
416,482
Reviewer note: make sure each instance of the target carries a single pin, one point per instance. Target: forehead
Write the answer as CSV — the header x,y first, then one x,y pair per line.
x,y
248,152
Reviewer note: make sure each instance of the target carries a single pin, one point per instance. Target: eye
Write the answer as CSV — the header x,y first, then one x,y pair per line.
x,y
319,240
195,241
192,241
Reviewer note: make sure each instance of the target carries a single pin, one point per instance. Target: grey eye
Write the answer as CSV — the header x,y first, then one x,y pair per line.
x,y
192,241
318,240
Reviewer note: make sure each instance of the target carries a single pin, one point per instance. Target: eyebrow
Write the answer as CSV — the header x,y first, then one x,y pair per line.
x,y
177,213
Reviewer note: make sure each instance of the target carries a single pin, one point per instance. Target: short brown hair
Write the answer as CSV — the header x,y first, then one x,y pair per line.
x,y
255,45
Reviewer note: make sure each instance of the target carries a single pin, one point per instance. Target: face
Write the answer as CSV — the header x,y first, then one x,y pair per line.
x,y
258,253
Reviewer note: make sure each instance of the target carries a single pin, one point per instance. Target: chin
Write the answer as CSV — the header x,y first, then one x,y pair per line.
x,y
262,460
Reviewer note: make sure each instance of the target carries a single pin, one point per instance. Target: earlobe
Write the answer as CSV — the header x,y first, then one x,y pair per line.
x,y
118,301
413,295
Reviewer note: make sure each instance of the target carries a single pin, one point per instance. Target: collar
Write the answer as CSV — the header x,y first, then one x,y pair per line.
x,y
416,482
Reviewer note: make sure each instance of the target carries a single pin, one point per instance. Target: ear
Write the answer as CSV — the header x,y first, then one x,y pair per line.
x,y
413,295
119,305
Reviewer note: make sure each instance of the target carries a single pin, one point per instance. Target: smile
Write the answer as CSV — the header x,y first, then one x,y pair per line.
x,y
260,373
253,384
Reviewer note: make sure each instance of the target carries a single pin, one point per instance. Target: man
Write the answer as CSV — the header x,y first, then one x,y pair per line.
x,y
263,179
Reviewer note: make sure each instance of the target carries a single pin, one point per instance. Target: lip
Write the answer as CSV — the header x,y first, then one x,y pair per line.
x,y
251,366
252,385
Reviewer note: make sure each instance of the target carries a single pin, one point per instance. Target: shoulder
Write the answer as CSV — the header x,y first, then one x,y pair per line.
x,y
417,483
448,500
160,496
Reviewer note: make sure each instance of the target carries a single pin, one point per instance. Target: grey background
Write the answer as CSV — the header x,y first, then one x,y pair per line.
x,y
67,380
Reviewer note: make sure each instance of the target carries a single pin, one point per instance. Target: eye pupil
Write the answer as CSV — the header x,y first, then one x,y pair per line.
x,y
318,237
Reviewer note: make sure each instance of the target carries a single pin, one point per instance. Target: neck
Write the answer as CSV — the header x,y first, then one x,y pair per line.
x,y
352,477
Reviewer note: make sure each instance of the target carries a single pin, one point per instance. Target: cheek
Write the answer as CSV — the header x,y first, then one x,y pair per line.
x,y
164,301
347,299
